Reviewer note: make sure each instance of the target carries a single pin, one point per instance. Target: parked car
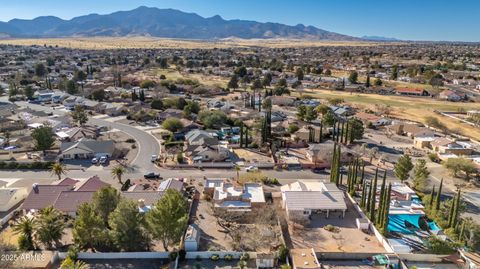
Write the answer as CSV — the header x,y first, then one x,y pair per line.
x,y
319,170
94,161
152,175
154,158
103,160
251,168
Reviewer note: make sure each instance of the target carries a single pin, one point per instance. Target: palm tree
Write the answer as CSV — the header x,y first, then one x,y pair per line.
x,y
24,227
50,227
58,169
118,172
237,169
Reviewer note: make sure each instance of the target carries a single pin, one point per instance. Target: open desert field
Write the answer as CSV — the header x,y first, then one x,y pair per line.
x,y
100,43
409,108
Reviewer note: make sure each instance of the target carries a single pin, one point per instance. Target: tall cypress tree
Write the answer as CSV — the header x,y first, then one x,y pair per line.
x,y
321,131
453,218
439,194
373,199
432,198
382,197
386,209
364,193
362,178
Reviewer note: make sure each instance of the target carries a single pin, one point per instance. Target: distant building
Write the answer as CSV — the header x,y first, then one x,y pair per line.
x,y
412,92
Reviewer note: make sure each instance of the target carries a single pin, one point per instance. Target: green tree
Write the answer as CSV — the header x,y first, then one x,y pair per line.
x,y
322,109
168,219
71,87
50,227
40,70
367,82
58,169
457,165
191,107
299,73
420,175
355,129
378,82
156,104
233,83
212,119
98,95
438,197
79,115
118,172
24,227
104,201
147,84
310,114
301,112
257,84
292,128
89,231
43,138
329,119
172,124
353,77
403,167
29,92
127,227
79,75
394,74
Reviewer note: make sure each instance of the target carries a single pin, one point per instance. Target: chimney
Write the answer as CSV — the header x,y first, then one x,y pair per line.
x,y
35,187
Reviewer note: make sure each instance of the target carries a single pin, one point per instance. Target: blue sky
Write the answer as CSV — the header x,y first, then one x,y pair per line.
x,y
449,20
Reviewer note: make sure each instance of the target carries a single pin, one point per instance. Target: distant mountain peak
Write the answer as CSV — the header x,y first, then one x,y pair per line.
x,y
169,23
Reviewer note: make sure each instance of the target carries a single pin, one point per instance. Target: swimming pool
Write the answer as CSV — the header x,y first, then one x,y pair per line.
x,y
407,223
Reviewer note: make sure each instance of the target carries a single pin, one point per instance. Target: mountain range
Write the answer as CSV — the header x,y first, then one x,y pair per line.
x,y
155,22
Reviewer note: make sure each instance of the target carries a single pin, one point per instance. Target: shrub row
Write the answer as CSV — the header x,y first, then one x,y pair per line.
x,y
32,165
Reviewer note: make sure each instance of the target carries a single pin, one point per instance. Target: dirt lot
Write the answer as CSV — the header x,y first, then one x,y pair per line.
x,y
260,234
348,239
252,156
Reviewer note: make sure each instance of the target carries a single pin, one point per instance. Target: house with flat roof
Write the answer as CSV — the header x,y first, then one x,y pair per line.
x,y
304,198
304,259
444,145
231,197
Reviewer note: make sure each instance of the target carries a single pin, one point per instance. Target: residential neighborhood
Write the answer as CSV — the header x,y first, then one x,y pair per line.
x,y
295,153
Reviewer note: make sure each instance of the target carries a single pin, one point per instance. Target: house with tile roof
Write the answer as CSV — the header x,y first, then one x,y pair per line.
x,y
65,195
86,149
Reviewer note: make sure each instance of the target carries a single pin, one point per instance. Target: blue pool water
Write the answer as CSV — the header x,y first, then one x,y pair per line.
x,y
398,223
433,226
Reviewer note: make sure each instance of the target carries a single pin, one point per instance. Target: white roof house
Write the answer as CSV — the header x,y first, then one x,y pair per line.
x,y
233,198
302,198
10,197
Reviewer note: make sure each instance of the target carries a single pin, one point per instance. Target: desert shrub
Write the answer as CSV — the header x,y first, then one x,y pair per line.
x,y
331,228
215,257
228,257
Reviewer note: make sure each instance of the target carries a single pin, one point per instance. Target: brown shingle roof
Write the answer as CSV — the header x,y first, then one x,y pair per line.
x,y
43,196
68,201
91,184
149,197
